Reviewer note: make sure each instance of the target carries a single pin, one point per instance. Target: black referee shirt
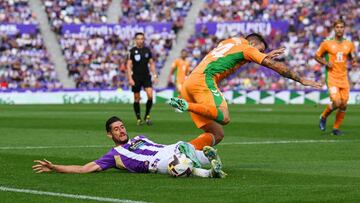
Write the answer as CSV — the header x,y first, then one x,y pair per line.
x,y
140,59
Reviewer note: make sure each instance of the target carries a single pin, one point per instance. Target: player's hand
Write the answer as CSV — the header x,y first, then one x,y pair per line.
x,y
311,83
43,166
155,81
354,63
329,65
275,53
131,82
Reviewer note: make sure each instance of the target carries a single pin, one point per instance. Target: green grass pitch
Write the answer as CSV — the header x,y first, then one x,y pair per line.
x,y
260,153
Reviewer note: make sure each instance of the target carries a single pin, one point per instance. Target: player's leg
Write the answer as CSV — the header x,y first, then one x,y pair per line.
x,y
136,90
206,100
335,103
149,93
214,172
219,114
213,132
209,155
178,89
340,114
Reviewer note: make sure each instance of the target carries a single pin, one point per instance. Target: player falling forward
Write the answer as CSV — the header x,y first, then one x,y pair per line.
x,y
140,155
202,97
336,51
181,69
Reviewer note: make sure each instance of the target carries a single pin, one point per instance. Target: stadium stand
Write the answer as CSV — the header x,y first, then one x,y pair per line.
x,y
75,12
16,11
24,61
173,11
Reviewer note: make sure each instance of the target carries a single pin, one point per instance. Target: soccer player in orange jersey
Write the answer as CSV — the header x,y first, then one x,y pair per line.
x,y
336,51
181,68
202,97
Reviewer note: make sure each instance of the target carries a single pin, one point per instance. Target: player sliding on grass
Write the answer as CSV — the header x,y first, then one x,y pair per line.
x,y
140,155
202,97
336,52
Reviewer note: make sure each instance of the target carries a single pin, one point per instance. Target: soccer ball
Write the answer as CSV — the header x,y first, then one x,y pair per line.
x,y
180,166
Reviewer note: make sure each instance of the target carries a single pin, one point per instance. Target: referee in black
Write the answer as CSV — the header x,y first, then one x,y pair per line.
x,y
139,65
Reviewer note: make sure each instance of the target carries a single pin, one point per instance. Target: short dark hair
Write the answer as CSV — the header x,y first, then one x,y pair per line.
x,y
258,37
139,33
339,21
110,121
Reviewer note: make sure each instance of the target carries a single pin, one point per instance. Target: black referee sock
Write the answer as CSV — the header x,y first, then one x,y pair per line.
x,y
137,110
148,107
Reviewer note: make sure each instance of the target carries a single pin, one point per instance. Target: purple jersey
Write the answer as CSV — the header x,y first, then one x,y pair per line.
x,y
134,156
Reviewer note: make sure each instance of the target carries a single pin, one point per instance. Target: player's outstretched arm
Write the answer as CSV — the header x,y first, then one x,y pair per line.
x,y
283,70
44,166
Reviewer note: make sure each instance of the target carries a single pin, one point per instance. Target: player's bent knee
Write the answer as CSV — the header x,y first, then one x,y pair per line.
x,y
226,120
218,137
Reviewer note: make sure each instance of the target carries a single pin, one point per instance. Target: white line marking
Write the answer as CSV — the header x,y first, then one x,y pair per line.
x,y
286,142
223,143
73,196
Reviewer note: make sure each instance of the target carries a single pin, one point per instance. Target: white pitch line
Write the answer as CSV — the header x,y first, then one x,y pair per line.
x,y
223,143
285,142
73,196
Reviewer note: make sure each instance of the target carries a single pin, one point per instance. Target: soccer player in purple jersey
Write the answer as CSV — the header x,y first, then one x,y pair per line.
x,y
140,155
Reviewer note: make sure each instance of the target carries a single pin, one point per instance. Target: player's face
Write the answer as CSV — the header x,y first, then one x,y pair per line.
x,y
183,54
339,29
139,40
258,45
118,132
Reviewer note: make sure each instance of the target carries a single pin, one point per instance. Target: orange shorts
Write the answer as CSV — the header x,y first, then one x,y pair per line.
x,y
202,89
338,93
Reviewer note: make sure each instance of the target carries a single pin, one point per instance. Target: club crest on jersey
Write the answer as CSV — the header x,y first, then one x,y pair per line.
x,y
147,55
137,57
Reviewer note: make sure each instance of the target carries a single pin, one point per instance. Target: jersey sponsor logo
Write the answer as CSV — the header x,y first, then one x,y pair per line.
x,y
135,145
137,57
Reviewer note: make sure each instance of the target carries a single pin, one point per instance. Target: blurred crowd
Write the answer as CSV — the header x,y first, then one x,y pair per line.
x,y
16,11
138,11
24,63
75,12
310,22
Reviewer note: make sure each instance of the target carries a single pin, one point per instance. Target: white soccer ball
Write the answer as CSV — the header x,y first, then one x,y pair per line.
x,y
180,166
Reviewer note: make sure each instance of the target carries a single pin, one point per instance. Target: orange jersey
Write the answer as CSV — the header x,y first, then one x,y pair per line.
x,y
336,52
181,68
227,57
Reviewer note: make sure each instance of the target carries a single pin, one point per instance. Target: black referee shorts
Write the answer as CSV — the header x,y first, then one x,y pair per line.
x,y
141,81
